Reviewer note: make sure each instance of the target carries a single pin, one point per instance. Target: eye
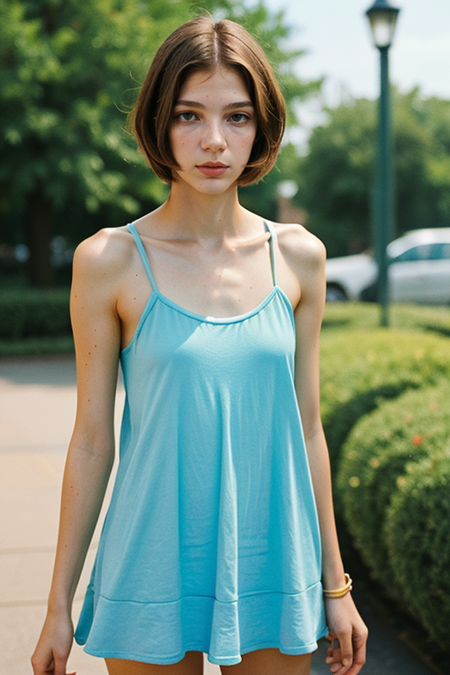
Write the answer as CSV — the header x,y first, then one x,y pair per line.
x,y
186,116
239,118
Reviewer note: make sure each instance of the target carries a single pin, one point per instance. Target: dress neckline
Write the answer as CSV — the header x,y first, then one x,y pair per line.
x,y
203,318
200,318
218,319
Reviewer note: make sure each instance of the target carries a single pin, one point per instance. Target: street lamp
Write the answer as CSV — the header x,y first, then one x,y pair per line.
x,y
383,17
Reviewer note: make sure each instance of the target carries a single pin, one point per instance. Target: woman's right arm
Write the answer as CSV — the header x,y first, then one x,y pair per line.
x,y
96,327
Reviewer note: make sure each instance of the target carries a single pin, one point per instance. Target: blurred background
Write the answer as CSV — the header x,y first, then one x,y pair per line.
x,y
70,72
69,75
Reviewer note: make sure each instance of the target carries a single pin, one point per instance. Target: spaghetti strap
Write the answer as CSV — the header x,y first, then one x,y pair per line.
x,y
143,254
140,246
272,244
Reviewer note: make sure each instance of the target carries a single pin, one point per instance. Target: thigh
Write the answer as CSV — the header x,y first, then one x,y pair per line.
x,y
191,664
269,662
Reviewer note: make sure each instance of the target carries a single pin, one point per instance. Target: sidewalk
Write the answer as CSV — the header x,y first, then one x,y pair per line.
x,y
37,409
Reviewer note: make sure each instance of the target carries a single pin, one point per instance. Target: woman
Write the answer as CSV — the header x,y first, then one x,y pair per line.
x,y
220,529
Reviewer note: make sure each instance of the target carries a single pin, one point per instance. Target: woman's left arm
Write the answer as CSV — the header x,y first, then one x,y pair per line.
x,y
343,619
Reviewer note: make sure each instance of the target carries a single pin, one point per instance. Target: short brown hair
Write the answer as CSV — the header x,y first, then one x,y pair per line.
x,y
201,44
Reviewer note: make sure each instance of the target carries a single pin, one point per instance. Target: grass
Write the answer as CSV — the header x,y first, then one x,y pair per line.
x,y
366,316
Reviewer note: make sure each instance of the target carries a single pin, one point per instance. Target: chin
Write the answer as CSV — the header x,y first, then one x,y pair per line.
x,y
212,186
215,189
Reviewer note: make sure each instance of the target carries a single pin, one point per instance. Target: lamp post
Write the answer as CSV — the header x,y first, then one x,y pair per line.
x,y
383,17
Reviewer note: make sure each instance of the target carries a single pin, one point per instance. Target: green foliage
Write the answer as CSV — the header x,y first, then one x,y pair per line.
x,y
362,365
337,173
434,115
362,368
34,346
64,73
337,176
418,543
374,460
394,482
33,313
69,73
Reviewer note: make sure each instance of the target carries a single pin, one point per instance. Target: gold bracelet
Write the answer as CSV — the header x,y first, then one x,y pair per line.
x,y
340,592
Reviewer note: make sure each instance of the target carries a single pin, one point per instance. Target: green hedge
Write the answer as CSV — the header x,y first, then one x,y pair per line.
x,y
386,417
418,541
35,346
376,456
34,313
360,369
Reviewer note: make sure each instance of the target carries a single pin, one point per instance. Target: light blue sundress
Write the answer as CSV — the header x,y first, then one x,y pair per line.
x,y
211,541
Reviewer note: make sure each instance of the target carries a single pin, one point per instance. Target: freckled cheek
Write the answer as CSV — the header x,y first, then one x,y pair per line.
x,y
249,136
181,146
248,140
247,144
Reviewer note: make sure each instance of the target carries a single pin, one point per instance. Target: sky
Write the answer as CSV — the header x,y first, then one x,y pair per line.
x,y
337,36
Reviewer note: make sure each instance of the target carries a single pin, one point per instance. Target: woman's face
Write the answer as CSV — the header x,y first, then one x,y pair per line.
x,y
212,131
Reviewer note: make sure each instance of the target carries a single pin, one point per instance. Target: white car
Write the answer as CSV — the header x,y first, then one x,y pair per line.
x,y
419,270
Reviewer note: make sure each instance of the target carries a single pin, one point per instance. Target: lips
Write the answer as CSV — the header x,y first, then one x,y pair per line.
x,y
212,168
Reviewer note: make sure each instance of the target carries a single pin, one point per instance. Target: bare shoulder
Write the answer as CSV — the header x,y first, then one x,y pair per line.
x,y
302,250
104,254
101,268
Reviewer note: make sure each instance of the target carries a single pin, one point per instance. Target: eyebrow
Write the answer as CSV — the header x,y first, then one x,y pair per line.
x,y
229,106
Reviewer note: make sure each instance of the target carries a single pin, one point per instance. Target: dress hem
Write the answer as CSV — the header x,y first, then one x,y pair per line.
x,y
218,660
222,635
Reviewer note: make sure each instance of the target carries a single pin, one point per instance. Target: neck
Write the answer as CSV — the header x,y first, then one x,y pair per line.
x,y
193,215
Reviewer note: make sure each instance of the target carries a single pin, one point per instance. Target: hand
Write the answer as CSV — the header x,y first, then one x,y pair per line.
x,y
54,645
347,627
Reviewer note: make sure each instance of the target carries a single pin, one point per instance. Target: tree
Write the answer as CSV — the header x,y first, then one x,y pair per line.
x,y
434,115
63,71
69,73
337,172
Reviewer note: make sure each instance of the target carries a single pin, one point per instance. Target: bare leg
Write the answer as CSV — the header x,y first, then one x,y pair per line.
x,y
192,664
270,662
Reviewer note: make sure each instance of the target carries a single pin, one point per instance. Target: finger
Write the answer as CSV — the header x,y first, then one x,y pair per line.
x,y
41,667
346,653
335,661
60,665
332,647
359,655
339,669
333,656
359,659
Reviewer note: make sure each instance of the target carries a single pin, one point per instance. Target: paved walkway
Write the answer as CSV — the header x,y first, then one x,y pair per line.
x,y
37,409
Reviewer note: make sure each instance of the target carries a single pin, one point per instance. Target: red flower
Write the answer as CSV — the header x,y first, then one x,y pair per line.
x,y
417,440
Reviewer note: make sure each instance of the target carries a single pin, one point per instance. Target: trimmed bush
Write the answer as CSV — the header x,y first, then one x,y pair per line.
x,y
28,313
361,369
377,455
37,345
417,532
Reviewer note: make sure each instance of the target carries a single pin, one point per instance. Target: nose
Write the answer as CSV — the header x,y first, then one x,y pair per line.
x,y
213,137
